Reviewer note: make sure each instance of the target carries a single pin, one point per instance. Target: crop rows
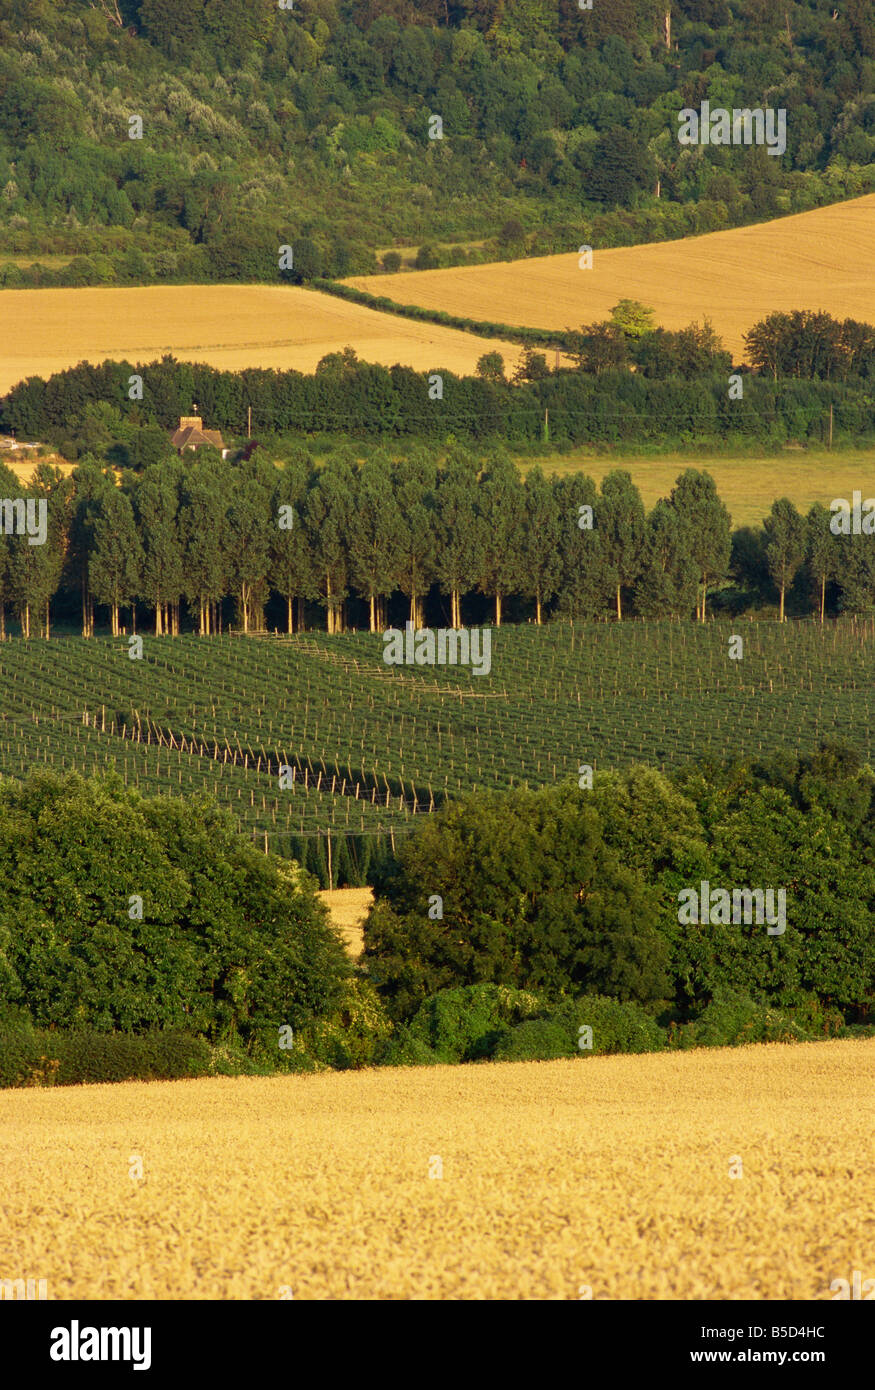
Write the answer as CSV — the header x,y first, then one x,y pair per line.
x,y
372,747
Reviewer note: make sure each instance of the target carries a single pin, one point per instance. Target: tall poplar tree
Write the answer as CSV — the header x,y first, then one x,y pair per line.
x,y
708,529
621,522
501,511
373,540
539,559
457,547
116,563
786,543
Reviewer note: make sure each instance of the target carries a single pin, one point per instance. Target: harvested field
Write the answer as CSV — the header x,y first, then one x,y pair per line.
x,y
606,1172
229,326
813,260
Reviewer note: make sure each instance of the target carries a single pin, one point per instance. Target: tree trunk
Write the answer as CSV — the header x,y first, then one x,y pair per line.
x,y
538,609
619,604
822,595
781,618
498,610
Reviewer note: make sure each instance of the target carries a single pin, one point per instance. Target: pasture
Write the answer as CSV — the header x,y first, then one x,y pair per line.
x,y
602,1177
373,748
229,326
813,260
748,485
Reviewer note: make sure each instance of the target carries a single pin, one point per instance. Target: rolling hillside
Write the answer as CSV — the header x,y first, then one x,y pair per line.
x,y
814,260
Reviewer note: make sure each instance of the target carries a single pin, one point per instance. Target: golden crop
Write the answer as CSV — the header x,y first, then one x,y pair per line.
x,y
813,260
608,1173
229,326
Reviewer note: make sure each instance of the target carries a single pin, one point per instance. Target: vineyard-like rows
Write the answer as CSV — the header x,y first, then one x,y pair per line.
x,y
372,747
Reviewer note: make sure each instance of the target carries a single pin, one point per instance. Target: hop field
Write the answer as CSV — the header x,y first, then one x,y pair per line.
x,y
609,1173
372,748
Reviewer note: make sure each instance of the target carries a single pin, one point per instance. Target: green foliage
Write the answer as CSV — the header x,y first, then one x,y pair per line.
x,y
533,899
733,1019
463,1025
35,1057
305,120
533,1040
124,914
617,1026
354,1035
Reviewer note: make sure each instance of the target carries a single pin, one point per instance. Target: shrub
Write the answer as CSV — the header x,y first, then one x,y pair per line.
x,y
405,1050
33,1057
732,1019
354,1033
616,1026
534,1040
464,1025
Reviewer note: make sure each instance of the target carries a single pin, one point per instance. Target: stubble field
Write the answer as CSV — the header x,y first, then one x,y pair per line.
x,y
229,326
609,1174
813,260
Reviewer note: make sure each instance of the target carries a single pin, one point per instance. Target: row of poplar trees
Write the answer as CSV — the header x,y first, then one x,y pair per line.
x,y
200,531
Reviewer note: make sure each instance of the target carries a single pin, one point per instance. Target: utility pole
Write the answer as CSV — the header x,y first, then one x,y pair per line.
x,y
249,422
830,424
546,425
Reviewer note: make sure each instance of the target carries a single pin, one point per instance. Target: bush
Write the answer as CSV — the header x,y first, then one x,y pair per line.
x,y
534,1040
355,1032
32,1057
616,1026
405,1050
464,1025
534,899
732,1019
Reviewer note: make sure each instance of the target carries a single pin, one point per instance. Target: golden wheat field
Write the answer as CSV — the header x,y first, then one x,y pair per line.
x,y
813,260
548,1179
229,326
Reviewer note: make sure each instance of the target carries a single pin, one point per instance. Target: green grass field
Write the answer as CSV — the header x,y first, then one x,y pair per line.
x,y
748,485
374,747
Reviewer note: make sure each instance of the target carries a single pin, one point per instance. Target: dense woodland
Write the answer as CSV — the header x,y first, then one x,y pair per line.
x,y
310,125
184,538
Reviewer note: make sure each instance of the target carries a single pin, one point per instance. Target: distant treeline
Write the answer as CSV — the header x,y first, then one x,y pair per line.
x,y
679,392
433,526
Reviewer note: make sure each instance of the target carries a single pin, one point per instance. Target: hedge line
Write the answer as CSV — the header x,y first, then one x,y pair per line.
x,y
49,1057
563,338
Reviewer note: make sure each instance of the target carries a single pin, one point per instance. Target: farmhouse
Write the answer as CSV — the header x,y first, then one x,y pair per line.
x,y
192,435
